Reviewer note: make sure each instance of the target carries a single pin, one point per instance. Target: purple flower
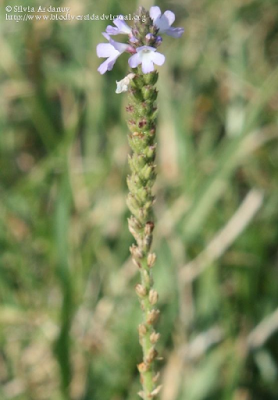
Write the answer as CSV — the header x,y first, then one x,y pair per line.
x,y
121,27
164,22
111,51
147,56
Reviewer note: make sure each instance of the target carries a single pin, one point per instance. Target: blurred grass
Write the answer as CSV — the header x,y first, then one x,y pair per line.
x,y
68,312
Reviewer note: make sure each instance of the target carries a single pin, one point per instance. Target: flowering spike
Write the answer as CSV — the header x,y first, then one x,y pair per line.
x,y
143,40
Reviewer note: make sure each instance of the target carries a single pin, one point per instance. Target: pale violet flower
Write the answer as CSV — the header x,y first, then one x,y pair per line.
x,y
121,27
164,22
111,51
147,56
122,86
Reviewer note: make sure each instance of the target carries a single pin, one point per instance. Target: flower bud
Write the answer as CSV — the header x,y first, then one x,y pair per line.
x,y
156,391
148,280
133,231
136,93
140,290
151,355
132,125
150,39
150,152
142,330
133,39
149,227
151,78
132,222
149,36
153,296
149,93
152,131
142,367
148,204
139,160
153,316
144,194
143,214
158,40
154,337
135,252
137,82
135,134
129,108
136,263
148,172
156,377
132,182
142,123
132,203
151,259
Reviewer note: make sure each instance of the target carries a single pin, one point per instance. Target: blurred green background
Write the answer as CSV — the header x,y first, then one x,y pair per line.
x,y
68,311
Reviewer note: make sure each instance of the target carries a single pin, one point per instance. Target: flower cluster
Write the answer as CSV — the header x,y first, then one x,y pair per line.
x,y
142,43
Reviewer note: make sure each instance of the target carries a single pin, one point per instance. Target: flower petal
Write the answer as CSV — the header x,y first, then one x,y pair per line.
x,y
122,25
108,64
105,50
121,87
133,39
105,34
158,58
103,67
170,17
111,30
147,65
155,12
142,48
162,23
175,32
120,47
134,60
111,62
